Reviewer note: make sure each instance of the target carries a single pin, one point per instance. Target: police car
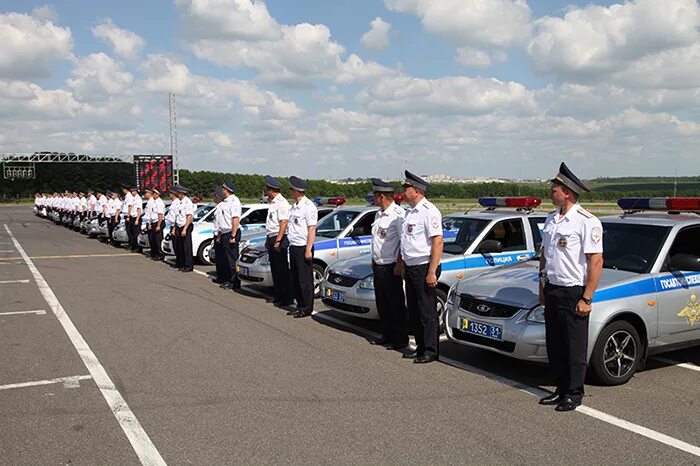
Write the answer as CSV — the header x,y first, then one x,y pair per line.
x,y
253,219
343,233
119,234
506,232
646,302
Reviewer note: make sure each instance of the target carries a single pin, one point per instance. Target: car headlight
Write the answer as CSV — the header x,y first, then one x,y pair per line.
x,y
536,315
451,295
264,259
368,283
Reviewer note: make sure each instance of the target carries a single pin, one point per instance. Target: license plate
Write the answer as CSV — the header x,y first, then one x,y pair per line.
x,y
335,295
243,270
493,332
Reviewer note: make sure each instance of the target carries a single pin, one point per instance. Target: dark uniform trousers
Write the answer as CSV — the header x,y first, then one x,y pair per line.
x,y
391,303
421,301
231,252
221,260
154,240
302,278
279,263
111,224
135,232
183,247
129,228
176,239
567,339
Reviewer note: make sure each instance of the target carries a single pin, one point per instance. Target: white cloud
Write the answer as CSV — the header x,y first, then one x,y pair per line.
x,y
592,42
98,76
228,20
479,58
124,43
31,46
45,12
377,38
471,23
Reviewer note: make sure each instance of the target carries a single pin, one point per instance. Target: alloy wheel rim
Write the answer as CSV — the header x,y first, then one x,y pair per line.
x,y
620,354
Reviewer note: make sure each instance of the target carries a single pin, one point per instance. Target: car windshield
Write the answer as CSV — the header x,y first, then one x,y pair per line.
x,y
460,232
632,247
333,224
201,212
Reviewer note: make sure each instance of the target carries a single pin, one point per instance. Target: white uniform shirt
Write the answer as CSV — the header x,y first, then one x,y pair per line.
x,y
112,205
92,204
101,204
128,201
278,211
158,208
302,215
172,211
565,242
184,208
420,225
386,234
138,205
83,204
231,208
148,212
218,212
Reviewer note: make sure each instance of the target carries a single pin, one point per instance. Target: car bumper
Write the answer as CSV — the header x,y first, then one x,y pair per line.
x,y
167,247
254,274
120,235
143,240
521,339
358,302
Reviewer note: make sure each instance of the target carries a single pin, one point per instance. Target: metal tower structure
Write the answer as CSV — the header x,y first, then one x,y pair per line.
x,y
173,136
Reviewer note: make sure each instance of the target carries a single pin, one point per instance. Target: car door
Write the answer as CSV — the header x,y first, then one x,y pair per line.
x,y
511,234
679,290
357,240
254,219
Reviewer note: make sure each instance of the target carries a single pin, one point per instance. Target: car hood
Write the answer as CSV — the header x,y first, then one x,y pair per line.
x,y
518,285
359,267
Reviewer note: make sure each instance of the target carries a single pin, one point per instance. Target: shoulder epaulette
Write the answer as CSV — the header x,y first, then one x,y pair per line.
x,y
585,213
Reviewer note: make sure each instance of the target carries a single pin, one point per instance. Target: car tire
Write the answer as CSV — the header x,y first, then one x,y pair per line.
x,y
318,270
441,309
617,354
203,253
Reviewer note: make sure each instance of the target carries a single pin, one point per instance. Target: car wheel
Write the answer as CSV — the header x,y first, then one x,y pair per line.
x,y
203,253
441,308
318,270
617,353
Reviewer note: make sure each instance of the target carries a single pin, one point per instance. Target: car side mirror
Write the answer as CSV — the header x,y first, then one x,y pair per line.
x,y
687,262
490,246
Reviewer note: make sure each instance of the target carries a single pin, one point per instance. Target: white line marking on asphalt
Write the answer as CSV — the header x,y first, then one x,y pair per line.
x,y
7,250
684,365
68,382
39,312
539,392
141,443
7,282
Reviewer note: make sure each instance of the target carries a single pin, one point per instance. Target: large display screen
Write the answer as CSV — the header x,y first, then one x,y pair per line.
x,y
154,171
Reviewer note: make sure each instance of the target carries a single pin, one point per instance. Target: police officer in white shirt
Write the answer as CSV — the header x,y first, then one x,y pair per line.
x,y
183,229
220,257
170,218
570,266
229,226
277,242
83,205
101,206
147,217
92,204
113,209
421,248
386,253
128,205
136,214
303,217
157,226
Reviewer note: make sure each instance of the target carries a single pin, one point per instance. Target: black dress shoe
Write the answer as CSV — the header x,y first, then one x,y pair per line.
x,y
426,358
552,399
271,300
380,341
397,346
301,314
411,355
566,404
225,286
187,269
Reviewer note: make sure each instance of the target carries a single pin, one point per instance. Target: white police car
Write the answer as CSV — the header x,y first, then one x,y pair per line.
x,y
474,242
647,301
343,233
253,219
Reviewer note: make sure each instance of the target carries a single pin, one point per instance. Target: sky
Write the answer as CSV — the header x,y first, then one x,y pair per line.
x,y
359,88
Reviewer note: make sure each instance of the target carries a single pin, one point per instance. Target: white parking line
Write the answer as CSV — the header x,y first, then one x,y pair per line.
x,y
68,382
7,282
7,250
539,392
684,365
39,312
140,442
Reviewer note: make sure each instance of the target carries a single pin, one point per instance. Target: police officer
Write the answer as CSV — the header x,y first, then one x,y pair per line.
x,y
570,266
388,285
113,210
277,242
147,216
231,233
128,207
101,206
220,257
303,217
183,229
92,204
157,224
83,205
172,215
136,214
421,248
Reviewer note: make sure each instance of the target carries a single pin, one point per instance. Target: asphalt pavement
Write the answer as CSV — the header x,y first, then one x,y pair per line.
x,y
166,367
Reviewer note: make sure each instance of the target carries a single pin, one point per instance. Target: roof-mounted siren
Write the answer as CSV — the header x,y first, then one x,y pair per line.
x,y
336,201
667,204
518,203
